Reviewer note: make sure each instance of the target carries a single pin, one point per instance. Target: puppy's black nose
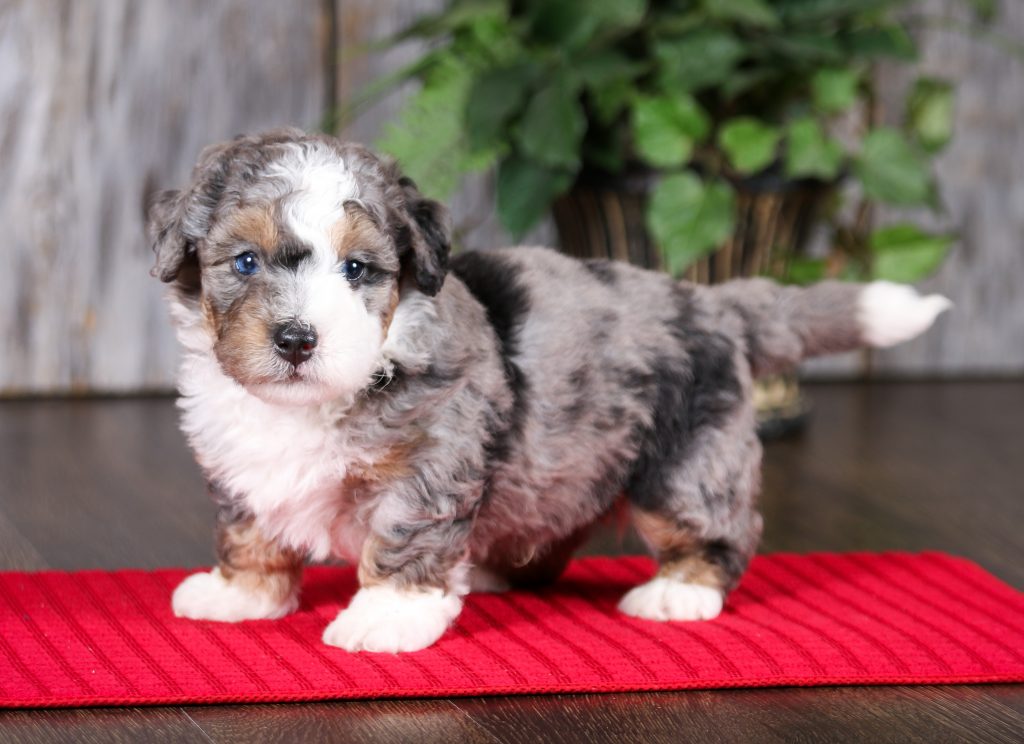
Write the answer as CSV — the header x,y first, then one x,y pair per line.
x,y
294,342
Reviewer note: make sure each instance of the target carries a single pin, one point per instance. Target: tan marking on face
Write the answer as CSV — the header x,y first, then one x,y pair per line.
x,y
355,231
678,551
242,337
254,225
389,314
249,559
356,234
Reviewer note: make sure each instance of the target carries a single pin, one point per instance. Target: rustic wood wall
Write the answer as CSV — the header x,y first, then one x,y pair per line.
x,y
102,100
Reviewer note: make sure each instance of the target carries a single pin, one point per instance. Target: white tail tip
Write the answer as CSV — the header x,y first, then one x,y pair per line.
x,y
890,313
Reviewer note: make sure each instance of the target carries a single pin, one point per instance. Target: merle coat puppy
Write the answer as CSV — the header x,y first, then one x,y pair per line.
x,y
457,426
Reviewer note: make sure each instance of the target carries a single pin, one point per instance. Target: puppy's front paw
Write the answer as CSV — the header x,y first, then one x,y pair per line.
x,y
385,619
209,596
669,599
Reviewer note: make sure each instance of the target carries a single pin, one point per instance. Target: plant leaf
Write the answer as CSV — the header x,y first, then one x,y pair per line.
x,y
892,170
553,125
834,89
905,253
749,144
494,96
801,47
525,191
751,12
606,66
698,59
802,270
690,218
809,153
454,16
666,127
572,23
807,12
887,41
930,113
435,115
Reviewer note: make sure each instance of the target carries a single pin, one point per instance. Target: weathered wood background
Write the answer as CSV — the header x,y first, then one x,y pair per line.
x,y
103,100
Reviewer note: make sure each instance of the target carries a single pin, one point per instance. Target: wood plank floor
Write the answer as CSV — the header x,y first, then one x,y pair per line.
x,y
110,483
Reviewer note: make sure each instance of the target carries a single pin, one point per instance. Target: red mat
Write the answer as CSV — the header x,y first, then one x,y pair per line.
x,y
99,638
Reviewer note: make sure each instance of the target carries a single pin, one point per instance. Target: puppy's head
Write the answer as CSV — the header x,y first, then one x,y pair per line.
x,y
289,251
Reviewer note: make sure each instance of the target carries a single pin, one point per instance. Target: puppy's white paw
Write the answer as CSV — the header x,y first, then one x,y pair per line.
x,y
891,313
209,596
483,580
669,599
386,619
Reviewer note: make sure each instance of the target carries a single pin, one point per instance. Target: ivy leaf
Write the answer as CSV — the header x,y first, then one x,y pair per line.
x,y
610,100
606,66
751,12
573,23
905,253
809,153
802,48
666,127
892,170
553,125
803,270
834,90
749,144
930,113
453,17
698,60
887,41
525,191
494,96
435,114
814,12
690,218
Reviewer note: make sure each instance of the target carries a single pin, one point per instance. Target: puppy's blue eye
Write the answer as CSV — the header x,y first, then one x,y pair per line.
x,y
246,263
353,269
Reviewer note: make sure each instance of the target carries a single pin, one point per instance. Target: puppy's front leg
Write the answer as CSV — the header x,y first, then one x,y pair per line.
x,y
255,578
412,580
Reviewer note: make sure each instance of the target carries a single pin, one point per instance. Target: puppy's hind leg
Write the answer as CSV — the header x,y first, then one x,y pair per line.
x,y
703,534
255,579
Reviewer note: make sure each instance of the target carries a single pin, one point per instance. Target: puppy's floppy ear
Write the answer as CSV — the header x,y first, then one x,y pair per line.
x,y
163,225
175,220
429,239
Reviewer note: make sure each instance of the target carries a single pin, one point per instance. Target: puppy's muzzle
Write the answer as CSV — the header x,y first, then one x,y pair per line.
x,y
294,342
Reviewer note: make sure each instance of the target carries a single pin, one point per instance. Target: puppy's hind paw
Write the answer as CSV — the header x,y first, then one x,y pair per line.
x,y
669,599
209,596
389,620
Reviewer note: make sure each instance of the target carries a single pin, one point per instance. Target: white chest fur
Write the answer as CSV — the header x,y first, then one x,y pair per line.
x,y
286,464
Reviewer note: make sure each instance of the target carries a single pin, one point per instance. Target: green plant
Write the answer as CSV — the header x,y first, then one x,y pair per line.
x,y
706,92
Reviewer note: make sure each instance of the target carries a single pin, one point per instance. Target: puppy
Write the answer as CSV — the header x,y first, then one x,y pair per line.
x,y
457,426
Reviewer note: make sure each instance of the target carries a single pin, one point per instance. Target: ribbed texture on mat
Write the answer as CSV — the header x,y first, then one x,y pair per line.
x,y
107,638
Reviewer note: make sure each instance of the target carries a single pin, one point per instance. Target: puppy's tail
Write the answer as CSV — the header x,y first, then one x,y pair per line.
x,y
783,325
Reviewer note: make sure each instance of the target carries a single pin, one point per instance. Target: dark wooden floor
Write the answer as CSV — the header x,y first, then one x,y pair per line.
x,y
912,466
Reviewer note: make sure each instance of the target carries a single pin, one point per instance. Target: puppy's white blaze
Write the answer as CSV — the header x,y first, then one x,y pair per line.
x,y
209,596
890,313
389,620
349,338
670,599
321,184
